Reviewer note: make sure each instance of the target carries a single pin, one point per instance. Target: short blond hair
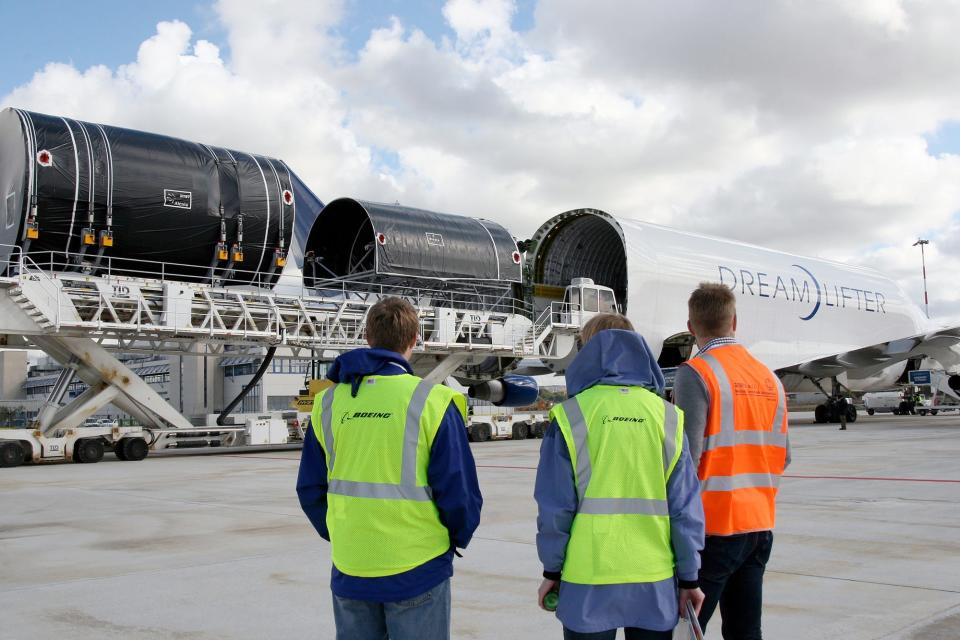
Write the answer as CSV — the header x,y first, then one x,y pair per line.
x,y
602,322
712,308
392,324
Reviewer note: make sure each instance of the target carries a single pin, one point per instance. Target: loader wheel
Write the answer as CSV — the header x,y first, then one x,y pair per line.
x,y
870,412
135,449
520,431
11,454
90,450
118,449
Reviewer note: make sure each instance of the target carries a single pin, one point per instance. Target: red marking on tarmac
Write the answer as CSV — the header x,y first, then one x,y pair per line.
x,y
792,477
876,479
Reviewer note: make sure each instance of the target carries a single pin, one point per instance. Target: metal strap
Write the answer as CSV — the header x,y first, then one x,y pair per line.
x,y
623,506
578,427
379,491
741,481
411,433
670,421
326,417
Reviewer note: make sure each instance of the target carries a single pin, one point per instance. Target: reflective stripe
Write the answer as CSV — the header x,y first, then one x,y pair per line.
x,y
741,481
379,491
578,427
669,435
778,425
760,437
729,436
411,433
619,506
326,417
726,392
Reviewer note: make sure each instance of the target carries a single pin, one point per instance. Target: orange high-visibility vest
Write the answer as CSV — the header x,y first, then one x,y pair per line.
x,y
745,441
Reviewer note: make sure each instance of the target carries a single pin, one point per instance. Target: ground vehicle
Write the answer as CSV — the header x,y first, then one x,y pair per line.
x,y
882,402
503,425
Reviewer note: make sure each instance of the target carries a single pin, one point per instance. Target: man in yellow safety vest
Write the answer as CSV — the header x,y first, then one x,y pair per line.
x,y
387,476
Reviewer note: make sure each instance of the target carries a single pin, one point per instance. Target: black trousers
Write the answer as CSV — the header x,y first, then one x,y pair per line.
x,y
731,575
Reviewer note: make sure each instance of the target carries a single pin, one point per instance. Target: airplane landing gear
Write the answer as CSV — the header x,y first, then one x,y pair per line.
x,y
836,408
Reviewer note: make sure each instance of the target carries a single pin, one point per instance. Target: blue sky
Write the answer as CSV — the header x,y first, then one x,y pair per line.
x,y
109,32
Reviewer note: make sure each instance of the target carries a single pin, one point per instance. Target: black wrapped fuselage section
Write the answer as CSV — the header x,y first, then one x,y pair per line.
x,y
78,195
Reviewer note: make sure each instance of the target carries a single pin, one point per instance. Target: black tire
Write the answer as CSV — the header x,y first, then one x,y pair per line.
x,y
851,413
870,412
821,414
90,450
11,454
934,412
520,431
135,449
118,449
922,412
895,412
482,432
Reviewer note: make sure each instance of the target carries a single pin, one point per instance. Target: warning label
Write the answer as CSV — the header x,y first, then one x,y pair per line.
x,y
177,199
434,239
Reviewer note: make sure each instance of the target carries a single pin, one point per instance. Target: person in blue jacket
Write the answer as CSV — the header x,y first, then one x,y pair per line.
x,y
613,354
414,603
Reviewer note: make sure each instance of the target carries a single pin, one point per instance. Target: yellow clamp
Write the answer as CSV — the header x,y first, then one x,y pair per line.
x,y
89,237
106,238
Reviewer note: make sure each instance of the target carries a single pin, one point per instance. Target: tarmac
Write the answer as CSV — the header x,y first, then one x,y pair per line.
x,y
205,547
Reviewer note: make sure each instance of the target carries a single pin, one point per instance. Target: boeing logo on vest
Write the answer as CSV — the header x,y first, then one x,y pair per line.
x,y
365,414
630,419
804,288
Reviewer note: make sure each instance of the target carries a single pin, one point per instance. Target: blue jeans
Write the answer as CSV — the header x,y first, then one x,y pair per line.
x,y
630,634
423,617
731,575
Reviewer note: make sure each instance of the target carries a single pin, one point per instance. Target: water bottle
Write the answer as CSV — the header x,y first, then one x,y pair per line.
x,y
550,600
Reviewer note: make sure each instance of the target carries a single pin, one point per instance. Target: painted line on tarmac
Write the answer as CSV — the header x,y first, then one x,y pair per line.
x,y
792,477
873,582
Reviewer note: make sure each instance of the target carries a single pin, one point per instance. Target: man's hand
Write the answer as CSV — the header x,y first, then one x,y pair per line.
x,y
546,587
693,596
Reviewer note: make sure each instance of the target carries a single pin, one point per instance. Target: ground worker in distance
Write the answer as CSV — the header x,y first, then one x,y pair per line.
x,y
387,476
736,422
620,520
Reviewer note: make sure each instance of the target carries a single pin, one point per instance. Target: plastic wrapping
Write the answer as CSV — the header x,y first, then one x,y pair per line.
x,y
81,193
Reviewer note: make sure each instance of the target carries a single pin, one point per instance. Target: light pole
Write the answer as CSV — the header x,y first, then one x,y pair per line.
x,y
923,261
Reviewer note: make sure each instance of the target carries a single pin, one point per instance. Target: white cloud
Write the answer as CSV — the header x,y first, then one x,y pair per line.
x,y
793,125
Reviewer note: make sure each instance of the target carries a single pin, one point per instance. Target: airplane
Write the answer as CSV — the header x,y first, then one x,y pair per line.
x,y
810,320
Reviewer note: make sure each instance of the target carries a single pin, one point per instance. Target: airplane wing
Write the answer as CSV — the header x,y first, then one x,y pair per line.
x,y
942,345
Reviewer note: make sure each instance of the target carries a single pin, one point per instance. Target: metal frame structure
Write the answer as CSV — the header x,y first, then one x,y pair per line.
x,y
79,318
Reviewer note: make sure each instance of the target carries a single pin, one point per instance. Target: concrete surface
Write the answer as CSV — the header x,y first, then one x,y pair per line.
x,y
216,546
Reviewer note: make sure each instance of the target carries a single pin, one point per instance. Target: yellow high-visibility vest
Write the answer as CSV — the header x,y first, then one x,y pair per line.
x,y
380,511
624,444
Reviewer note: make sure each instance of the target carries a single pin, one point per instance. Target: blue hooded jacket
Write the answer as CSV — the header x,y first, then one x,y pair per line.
x,y
451,475
615,357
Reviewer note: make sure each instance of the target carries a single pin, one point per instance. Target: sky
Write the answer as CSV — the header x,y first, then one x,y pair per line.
x,y
828,128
